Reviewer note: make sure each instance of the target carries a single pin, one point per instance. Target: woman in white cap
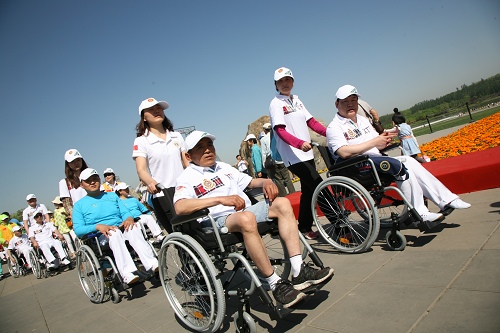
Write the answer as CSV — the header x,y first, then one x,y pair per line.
x,y
159,154
70,190
291,122
110,182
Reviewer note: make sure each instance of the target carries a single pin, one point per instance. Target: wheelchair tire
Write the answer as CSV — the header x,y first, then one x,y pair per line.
x,y
345,215
385,210
190,282
248,324
114,296
396,241
90,274
14,268
35,264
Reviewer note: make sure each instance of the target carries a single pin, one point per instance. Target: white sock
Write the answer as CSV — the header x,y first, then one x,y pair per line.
x,y
296,262
272,280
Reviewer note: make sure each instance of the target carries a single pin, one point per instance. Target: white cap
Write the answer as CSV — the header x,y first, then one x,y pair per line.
x,y
346,91
121,186
250,136
147,103
281,73
195,136
30,196
108,170
71,155
266,126
87,173
16,228
57,200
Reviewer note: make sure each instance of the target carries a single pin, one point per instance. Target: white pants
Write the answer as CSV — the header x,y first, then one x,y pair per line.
x,y
123,260
150,221
25,251
46,245
422,183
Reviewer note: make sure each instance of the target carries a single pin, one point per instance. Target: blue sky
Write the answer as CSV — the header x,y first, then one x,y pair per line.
x,y
72,73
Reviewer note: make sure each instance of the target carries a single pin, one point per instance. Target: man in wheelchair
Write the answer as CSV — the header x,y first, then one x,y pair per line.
x,y
350,135
21,244
104,212
41,235
206,183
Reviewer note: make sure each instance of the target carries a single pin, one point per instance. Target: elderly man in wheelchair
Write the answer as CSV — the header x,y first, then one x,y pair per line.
x,y
350,135
218,186
104,214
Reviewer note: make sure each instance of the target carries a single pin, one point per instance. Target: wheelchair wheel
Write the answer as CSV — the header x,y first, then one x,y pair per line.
x,y
396,241
113,294
190,282
386,208
344,214
35,264
248,324
90,274
14,268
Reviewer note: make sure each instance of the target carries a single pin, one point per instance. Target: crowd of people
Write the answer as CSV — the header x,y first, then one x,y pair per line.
x,y
186,169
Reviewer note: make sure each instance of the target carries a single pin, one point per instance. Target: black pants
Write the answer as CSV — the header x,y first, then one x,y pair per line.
x,y
164,208
309,180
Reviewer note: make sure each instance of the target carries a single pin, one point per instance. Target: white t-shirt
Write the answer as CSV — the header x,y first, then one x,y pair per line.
x,y
242,166
344,132
19,242
163,157
29,213
42,232
294,116
74,193
203,182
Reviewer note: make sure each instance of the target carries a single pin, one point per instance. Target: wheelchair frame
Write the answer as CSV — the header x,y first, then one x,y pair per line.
x,y
369,189
19,267
193,261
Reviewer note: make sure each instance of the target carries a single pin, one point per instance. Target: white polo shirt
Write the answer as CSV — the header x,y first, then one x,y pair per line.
x,y
163,156
294,116
74,193
29,213
42,232
19,242
204,182
344,132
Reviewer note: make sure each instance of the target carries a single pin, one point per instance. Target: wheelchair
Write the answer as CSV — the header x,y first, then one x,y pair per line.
x,y
20,266
196,281
97,271
350,207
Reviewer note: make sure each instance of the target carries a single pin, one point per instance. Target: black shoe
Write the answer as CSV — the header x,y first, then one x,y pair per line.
x,y
286,294
309,276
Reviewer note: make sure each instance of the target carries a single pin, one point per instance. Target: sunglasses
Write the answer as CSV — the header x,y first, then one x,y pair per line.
x,y
108,174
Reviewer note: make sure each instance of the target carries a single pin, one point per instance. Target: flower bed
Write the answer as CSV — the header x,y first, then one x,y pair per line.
x,y
480,135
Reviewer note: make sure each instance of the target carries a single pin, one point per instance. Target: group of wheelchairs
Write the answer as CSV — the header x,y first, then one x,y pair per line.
x,y
35,263
198,265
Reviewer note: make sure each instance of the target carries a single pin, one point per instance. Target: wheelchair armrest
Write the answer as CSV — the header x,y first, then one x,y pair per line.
x,y
390,147
181,219
349,162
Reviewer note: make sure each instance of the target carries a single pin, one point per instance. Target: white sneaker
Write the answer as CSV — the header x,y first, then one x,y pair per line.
x,y
431,217
50,265
65,261
459,204
160,238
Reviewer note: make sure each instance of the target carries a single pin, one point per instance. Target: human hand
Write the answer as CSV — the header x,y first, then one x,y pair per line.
x,y
128,224
105,229
269,189
374,114
233,201
152,187
306,146
383,140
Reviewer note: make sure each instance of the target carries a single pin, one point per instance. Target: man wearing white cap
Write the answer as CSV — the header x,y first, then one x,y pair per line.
x,y
30,211
350,135
21,244
104,212
219,187
159,154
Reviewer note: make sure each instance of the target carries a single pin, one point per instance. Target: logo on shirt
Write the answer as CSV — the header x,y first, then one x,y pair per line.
x,y
352,134
136,147
288,109
207,186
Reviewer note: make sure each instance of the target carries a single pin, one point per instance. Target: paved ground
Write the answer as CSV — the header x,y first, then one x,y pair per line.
x,y
444,281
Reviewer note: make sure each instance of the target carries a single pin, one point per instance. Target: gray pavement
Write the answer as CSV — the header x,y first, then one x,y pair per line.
x,y
444,281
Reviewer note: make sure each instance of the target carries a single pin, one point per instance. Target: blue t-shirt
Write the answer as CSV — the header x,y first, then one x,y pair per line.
x,y
135,207
106,208
257,158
